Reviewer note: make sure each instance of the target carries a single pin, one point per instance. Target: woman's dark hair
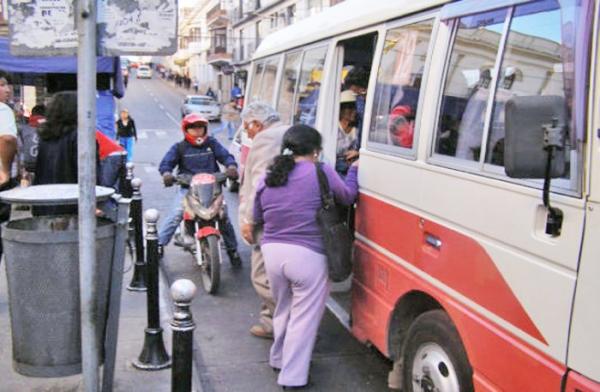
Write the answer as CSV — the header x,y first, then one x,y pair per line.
x,y
357,76
61,116
299,140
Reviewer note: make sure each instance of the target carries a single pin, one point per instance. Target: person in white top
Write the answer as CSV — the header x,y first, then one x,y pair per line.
x,y
8,129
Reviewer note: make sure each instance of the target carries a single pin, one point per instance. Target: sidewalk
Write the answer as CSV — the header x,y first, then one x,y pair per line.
x,y
133,321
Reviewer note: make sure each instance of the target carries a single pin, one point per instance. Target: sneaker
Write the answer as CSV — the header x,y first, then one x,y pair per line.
x,y
234,258
161,252
260,331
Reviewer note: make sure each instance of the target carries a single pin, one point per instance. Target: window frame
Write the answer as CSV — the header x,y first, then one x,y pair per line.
x,y
399,151
280,80
572,187
316,45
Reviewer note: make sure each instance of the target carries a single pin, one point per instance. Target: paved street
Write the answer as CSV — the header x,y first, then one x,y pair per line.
x,y
228,358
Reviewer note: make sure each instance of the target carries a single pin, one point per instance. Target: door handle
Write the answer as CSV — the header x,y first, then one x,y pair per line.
x,y
433,241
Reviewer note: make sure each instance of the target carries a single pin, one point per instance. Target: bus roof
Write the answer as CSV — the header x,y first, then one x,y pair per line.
x,y
344,17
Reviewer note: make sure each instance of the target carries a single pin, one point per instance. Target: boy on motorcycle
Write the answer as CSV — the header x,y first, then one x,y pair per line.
x,y
196,153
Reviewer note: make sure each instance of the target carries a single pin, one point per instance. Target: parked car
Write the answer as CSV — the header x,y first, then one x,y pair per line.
x,y
203,105
144,72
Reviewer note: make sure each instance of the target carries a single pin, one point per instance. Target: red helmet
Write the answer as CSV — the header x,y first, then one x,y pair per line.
x,y
187,121
192,118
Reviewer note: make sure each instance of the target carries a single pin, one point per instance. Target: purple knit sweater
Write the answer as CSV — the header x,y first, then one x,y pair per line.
x,y
288,213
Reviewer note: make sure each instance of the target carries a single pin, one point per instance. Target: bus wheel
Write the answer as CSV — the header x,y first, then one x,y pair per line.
x,y
434,357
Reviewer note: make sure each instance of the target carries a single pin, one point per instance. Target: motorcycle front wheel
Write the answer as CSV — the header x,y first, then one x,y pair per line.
x,y
211,267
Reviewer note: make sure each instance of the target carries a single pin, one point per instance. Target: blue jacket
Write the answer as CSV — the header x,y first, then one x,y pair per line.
x,y
194,160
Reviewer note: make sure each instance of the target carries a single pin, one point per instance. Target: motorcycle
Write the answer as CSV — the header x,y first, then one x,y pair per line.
x,y
200,235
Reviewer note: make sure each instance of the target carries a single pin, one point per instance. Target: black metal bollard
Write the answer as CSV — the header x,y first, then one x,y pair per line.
x,y
138,282
154,355
182,291
126,188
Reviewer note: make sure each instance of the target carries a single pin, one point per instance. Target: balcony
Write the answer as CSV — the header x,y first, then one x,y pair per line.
x,y
217,17
219,56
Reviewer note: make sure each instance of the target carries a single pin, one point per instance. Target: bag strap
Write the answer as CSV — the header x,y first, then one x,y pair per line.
x,y
326,198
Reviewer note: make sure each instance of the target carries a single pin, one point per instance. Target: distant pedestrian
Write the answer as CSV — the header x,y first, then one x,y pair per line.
x,y
286,205
28,142
210,93
264,128
126,133
229,119
236,91
195,83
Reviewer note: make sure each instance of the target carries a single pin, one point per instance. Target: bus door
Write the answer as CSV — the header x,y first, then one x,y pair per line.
x,y
352,67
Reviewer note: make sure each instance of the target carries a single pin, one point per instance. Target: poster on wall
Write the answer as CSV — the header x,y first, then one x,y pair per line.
x,y
125,27
137,27
42,27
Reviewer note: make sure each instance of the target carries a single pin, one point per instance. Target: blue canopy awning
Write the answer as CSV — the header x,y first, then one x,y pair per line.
x,y
10,63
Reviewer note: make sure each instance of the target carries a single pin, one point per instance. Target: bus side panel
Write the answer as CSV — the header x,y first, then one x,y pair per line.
x,y
499,360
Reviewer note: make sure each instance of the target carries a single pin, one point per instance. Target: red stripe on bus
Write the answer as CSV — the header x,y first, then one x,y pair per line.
x,y
460,262
380,283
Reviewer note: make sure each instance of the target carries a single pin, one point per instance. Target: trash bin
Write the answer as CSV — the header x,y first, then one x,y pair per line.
x,y
42,269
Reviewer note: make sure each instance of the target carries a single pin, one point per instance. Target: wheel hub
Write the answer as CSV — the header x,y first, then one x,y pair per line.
x,y
433,371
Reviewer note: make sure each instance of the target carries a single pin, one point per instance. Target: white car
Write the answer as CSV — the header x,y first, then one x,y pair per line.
x,y
144,72
204,105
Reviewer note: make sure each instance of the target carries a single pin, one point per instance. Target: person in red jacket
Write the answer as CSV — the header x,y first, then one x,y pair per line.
x,y
112,161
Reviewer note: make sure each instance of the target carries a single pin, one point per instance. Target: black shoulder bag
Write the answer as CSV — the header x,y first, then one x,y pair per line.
x,y
337,238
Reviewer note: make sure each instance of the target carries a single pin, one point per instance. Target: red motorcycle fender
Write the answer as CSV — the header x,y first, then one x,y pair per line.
x,y
206,231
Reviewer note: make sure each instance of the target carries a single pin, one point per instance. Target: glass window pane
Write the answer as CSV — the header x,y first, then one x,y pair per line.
x,y
466,92
399,84
267,87
534,62
256,82
288,85
309,86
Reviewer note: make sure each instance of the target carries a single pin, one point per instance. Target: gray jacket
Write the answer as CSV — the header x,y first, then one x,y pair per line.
x,y
266,145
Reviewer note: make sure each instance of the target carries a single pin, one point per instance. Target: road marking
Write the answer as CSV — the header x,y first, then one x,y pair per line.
x,y
161,107
172,118
161,133
150,169
142,135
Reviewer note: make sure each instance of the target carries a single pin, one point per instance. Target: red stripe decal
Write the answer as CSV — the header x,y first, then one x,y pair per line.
x,y
460,262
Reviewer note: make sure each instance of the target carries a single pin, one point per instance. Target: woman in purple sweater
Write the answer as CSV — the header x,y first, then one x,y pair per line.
x,y
286,205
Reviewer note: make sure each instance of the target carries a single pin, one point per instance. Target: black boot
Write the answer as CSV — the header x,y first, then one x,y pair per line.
x,y
234,258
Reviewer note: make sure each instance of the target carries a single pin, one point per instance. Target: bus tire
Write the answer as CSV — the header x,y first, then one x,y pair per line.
x,y
434,356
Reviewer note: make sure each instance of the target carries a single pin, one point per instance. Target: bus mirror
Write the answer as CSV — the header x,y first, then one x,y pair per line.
x,y
534,125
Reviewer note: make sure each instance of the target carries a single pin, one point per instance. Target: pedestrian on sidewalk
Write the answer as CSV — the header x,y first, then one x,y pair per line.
x,y
126,133
8,144
196,153
229,119
286,206
262,123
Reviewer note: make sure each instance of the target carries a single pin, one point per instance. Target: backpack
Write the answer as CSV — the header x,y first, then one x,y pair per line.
x,y
28,141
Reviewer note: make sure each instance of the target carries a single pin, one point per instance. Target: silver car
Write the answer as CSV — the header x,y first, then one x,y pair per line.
x,y
202,104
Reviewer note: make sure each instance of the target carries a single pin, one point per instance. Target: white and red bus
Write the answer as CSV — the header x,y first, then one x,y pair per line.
x,y
466,277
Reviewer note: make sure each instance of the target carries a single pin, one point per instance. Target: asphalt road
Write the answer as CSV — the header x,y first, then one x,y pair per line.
x,y
227,357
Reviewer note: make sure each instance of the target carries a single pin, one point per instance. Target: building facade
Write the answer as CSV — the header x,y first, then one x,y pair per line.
x,y
252,20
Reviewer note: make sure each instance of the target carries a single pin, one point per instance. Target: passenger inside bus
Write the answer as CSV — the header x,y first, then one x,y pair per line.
x,y
346,151
355,69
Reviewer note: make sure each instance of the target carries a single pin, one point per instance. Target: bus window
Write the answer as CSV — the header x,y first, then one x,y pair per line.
x,y
267,87
399,85
533,64
307,96
255,88
468,82
288,85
